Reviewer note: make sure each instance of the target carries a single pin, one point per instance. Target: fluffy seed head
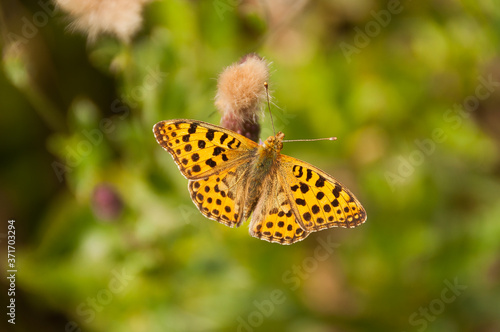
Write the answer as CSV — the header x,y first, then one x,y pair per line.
x,y
240,92
121,18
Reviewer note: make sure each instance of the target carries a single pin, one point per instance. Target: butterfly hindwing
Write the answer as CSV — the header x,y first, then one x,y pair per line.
x,y
274,219
216,197
200,148
321,201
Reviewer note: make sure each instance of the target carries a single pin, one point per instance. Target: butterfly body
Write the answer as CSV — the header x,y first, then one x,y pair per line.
x,y
261,169
232,177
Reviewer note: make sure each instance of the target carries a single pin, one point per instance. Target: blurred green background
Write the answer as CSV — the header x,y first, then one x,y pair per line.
x,y
107,238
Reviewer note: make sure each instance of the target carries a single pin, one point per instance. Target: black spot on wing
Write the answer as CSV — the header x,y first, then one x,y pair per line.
x,y
211,163
300,201
223,138
336,191
210,134
298,169
218,150
320,182
229,145
192,128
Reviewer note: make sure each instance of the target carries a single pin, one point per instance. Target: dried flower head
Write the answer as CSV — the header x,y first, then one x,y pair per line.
x,y
240,92
121,18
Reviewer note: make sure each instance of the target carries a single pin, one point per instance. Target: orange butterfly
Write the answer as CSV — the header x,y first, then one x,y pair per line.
x,y
231,176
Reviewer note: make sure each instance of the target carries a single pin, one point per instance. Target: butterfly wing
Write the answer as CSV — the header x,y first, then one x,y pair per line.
x,y
301,199
200,149
274,218
320,200
214,159
221,196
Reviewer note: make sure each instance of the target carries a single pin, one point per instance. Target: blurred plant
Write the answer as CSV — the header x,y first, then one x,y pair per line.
x,y
240,91
121,18
18,65
106,202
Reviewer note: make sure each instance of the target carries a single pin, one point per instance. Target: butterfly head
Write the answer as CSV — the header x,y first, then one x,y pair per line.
x,y
275,142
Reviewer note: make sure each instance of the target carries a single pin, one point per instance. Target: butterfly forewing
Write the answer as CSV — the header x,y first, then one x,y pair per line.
x,y
200,148
321,201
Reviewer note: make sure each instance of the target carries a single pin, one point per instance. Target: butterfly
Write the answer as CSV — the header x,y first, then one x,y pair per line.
x,y
231,177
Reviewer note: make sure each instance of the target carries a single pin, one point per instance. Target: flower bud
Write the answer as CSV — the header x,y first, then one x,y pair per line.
x,y
106,202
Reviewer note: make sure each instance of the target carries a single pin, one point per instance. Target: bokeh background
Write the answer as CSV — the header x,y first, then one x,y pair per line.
x,y
107,238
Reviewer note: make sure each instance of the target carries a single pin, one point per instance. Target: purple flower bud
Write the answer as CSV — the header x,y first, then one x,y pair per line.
x,y
106,202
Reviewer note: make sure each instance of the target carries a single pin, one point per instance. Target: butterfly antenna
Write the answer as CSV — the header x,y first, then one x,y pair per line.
x,y
269,106
266,85
310,139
